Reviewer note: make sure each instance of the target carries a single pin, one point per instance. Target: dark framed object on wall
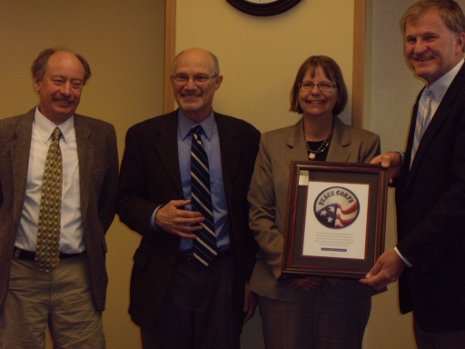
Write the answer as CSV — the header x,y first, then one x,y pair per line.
x,y
263,7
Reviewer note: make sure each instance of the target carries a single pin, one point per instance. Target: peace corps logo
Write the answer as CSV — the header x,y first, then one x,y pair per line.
x,y
336,207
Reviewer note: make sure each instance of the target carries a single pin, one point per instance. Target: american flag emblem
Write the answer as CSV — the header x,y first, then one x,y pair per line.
x,y
336,207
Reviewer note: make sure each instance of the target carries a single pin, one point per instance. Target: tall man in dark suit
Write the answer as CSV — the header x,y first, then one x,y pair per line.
x,y
430,181
180,297
58,186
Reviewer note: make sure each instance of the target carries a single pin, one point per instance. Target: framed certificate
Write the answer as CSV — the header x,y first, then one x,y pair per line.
x,y
335,218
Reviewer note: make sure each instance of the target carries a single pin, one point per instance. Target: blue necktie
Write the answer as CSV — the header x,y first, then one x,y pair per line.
x,y
423,118
204,248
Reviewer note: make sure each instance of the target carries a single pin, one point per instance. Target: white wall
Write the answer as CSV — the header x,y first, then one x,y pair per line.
x,y
259,56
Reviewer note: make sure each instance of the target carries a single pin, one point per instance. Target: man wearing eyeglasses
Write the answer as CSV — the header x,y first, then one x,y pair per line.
x,y
183,187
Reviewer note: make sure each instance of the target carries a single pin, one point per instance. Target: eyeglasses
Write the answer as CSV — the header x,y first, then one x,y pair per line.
x,y
198,79
323,86
61,81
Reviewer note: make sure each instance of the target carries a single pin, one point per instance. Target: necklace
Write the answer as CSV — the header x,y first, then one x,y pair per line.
x,y
320,148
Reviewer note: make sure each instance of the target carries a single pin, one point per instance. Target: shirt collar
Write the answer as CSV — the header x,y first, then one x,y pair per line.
x,y
185,124
45,127
440,86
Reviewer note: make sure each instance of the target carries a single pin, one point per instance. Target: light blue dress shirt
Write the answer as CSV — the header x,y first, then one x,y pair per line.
x,y
211,142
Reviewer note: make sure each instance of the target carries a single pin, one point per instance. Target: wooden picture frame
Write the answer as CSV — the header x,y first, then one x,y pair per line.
x,y
335,219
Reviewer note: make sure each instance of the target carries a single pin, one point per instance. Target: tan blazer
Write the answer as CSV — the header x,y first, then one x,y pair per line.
x,y
268,199
98,184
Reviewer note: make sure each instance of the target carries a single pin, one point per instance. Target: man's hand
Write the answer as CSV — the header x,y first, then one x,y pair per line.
x,y
250,304
392,160
387,269
174,219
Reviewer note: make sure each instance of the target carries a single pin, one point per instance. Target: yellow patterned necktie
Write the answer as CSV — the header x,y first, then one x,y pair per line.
x,y
49,227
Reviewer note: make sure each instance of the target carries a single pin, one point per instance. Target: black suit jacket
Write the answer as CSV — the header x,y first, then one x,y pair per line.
x,y
430,201
150,176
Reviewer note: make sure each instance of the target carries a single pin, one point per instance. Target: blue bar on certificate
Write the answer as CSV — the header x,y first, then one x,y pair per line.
x,y
334,249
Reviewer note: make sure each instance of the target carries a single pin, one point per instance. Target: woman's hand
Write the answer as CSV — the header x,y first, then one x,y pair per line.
x,y
307,283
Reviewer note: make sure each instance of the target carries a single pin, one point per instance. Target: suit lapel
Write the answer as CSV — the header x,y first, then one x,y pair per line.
x,y
20,150
435,125
164,143
85,148
296,147
231,148
340,142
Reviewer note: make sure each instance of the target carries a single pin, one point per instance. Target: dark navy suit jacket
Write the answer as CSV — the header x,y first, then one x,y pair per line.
x,y
430,201
150,177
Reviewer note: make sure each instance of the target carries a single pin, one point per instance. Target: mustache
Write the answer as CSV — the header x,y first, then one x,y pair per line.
x,y
66,99
190,94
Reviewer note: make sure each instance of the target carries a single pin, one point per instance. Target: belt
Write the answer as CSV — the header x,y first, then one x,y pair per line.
x,y
30,256
188,257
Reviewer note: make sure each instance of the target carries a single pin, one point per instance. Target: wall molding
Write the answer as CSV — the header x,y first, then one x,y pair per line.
x,y
169,48
358,62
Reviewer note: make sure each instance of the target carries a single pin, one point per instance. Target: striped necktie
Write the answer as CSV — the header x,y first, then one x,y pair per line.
x,y
423,118
204,247
49,226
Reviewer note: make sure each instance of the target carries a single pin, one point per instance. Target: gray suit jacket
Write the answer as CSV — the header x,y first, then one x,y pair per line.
x,y
98,173
268,199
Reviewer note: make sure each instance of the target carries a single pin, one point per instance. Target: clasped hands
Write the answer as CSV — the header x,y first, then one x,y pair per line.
x,y
306,283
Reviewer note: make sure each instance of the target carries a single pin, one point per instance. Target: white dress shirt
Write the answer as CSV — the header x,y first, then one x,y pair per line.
x,y
71,236
440,86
